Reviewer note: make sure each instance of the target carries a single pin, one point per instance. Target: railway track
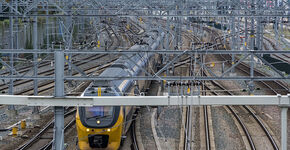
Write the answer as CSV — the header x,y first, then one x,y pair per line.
x,y
51,71
188,121
45,62
275,47
223,91
188,126
188,129
44,139
233,110
218,87
46,85
277,87
131,30
206,128
49,85
91,69
43,142
134,145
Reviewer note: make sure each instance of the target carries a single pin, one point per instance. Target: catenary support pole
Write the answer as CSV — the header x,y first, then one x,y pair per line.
x,y
68,38
59,110
11,45
233,35
167,44
47,27
35,62
284,136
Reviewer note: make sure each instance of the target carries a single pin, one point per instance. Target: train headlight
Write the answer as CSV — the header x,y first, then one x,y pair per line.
x,y
88,130
108,130
98,121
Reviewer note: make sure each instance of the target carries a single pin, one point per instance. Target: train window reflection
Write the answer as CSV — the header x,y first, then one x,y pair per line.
x,y
99,116
98,112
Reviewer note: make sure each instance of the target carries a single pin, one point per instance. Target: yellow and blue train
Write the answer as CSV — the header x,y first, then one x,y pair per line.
x,y
102,127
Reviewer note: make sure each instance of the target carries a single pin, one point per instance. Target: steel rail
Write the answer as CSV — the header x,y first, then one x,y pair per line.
x,y
271,139
50,83
49,124
28,144
134,145
250,140
246,131
188,123
283,87
206,125
188,127
51,71
49,145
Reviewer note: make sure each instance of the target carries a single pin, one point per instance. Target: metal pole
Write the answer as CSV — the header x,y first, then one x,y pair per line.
x,y
276,23
284,136
259,26
16,27
167,44
246,32
252,34
233,43
10,90
25,34
251,83
47,28
59,110
288,11
68,39
35,63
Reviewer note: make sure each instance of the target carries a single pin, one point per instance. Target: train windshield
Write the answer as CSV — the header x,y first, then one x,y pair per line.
x,y
99,116
98,112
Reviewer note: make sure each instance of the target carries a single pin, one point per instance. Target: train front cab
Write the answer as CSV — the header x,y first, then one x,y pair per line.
x,y
101,132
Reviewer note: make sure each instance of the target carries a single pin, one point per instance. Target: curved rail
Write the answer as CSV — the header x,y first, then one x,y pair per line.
x,y
247,108
271,139
246,131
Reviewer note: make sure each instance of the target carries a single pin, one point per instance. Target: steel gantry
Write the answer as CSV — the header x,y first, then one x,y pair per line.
x,y
59,26
183,100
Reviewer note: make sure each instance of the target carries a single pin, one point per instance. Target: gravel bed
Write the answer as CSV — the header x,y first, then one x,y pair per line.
x,y
168,126
145,129
266,69
23,113
70,139
226,133
11,142
270,114
196,128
